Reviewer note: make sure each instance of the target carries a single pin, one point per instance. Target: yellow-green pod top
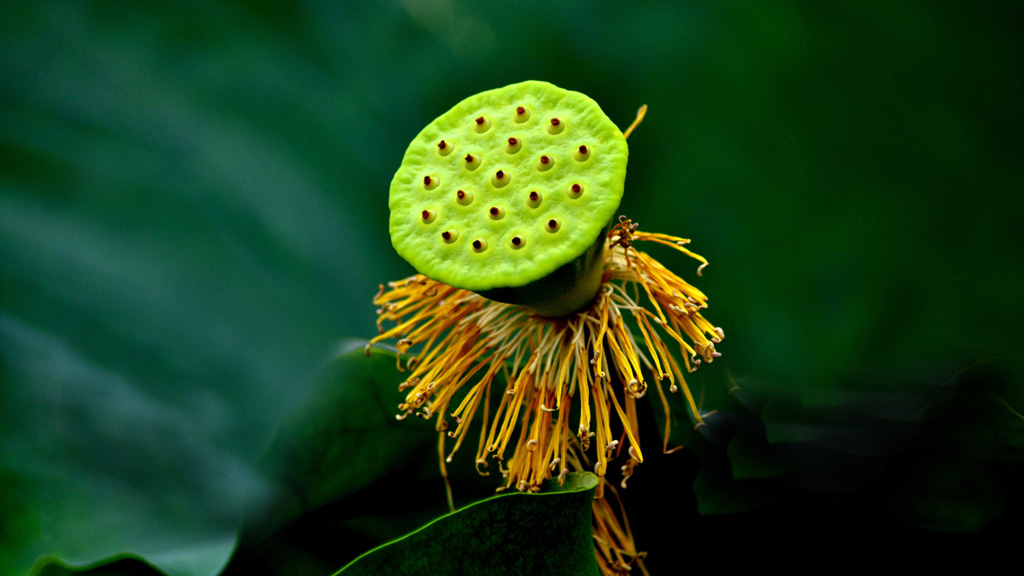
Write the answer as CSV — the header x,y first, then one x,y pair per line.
x,y
507,187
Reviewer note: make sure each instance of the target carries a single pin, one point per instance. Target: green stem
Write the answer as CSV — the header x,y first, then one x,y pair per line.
x,y
565,291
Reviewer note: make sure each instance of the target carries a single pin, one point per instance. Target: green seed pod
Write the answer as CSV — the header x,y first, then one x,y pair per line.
x,y
509,194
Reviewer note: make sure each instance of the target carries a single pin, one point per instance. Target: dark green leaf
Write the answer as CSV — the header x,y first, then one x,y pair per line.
x,y
340,457
348,474
345,436
116,567
511,534
98,469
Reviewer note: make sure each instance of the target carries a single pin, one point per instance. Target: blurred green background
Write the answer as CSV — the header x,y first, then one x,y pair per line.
x,y
193,218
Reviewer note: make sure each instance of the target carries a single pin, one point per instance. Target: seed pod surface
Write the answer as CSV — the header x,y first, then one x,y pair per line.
x,y
515,192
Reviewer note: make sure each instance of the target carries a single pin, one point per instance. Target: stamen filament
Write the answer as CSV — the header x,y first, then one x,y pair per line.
x,y
465,344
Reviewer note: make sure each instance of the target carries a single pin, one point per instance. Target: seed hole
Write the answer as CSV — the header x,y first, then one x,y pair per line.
x,y
522,114
500,178
545,163
534,200
582,153
553,225
514,145
575,191
556,126
428,216
450,236
444,148
482,125
464,198
496,213
479,245
471,161
517,242
429,182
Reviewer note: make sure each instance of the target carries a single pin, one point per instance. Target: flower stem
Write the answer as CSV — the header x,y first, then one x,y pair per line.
x,y
566,290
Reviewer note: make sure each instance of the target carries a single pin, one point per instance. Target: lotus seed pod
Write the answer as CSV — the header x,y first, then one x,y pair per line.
x,y
509,194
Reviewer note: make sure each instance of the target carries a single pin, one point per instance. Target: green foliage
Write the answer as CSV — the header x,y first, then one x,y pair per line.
x,y
335,458
193,213
94,468
514,533
344,436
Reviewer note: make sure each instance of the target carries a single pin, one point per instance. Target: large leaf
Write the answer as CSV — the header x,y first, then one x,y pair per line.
x,y
95,468
513,534
193,211
341,456
347,474
344,436
174,265
941,456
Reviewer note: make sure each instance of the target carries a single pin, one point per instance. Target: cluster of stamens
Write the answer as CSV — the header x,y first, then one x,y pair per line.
x,y
589,354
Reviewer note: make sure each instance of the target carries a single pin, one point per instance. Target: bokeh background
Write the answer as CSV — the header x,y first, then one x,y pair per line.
x,y
193,220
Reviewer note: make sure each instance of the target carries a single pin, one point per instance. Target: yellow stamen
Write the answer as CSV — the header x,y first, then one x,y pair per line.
x,y
467,344
639,118
463,334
